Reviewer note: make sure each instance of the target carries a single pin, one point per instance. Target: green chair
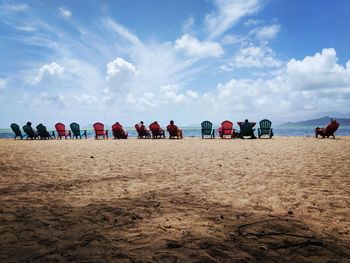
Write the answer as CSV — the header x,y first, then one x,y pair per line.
x,y
30,132
76,131
43,133
207,129
15,128
265,128
246,129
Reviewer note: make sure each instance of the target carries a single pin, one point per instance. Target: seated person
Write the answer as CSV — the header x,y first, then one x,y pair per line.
x,y
29,125
174,130
142,130
41,126
156,130
328,130
247,126
119,132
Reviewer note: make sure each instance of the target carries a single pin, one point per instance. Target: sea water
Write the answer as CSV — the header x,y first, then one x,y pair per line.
x,y
196,132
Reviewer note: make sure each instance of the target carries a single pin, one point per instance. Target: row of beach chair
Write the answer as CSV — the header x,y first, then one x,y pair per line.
x,y
226,130
43,133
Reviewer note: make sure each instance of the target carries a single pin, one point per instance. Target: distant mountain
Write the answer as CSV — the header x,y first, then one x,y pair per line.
x,y
317,122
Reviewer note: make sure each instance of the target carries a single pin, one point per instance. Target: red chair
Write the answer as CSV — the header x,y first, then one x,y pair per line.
x,y
157,131
118,132
226,129
328,131
174,132
142,132
62,132
100,130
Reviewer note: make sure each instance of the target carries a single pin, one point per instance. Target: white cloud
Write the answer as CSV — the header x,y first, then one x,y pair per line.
x,y
169,88
255,56
3,84
230,39
301,89
146,101
194,48
122,31
26,28
266,32
253,22
53,70
53,98
192,94
188,26
319,71
120,69
86,99
229,13
65,12
20,7
168,95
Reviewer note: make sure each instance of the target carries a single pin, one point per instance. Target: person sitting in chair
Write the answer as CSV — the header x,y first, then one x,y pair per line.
x,y
172,127
143,129
249,127
328,130
29,125
119,132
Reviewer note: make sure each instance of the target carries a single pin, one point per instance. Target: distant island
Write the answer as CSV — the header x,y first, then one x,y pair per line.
x,y
317,122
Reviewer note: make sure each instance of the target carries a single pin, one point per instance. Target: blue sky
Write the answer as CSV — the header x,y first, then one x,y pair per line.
x,y
126,61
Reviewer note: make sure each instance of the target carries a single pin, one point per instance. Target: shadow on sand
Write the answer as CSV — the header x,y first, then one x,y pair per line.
x,y
158,228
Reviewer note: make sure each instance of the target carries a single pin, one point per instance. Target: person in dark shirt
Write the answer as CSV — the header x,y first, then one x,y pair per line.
x,y
249,127
29,125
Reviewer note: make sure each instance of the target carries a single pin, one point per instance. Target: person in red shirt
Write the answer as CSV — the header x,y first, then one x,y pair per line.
x,y
328,130
174,130
119,132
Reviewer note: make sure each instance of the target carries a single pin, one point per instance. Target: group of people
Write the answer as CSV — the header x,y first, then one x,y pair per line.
x,y
174,131
246,125
35,132
120,133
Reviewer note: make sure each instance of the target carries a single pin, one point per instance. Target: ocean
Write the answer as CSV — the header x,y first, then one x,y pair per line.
x,y
196,132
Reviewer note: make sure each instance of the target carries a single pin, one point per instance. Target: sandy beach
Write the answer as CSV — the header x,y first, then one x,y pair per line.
x,y
281,200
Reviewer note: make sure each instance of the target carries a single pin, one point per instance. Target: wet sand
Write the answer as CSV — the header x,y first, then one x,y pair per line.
x,y
191,200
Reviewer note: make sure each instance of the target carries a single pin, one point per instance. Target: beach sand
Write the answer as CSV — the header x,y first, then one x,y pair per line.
x,y
281,200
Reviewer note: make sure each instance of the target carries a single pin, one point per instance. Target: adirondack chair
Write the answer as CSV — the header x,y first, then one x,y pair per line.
x,y
173,131
207,129
246,129
265,128
118,132
61,131
328,131
226,129
142,132
30,132
43,133
15,128
100,130
77,133
157,131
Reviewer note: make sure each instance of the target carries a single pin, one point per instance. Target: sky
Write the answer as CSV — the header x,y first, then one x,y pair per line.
x,y
186,60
